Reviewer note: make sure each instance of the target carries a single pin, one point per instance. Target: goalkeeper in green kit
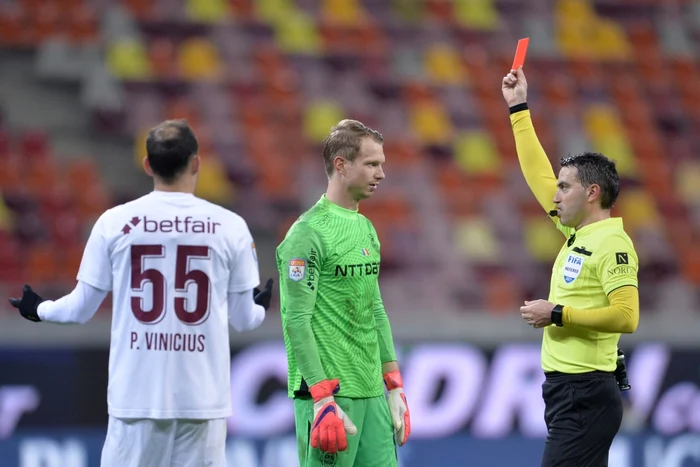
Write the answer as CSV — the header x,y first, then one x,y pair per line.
x,y
340,351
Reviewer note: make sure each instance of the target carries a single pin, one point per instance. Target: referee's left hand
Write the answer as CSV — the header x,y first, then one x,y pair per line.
x,y
538,313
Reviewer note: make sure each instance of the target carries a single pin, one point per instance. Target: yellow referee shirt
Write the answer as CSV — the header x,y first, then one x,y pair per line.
x,y
595,266
599,260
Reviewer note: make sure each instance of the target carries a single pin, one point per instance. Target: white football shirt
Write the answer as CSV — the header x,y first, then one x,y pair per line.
x,y
170,260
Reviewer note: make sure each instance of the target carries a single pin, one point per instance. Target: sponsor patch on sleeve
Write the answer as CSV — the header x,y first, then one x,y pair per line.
x,y
297,269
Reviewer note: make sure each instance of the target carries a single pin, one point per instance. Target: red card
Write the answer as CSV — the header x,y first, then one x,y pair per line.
x,y
520,53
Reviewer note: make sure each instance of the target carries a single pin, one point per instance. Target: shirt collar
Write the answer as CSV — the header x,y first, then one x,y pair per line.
x,y
615,222
338,210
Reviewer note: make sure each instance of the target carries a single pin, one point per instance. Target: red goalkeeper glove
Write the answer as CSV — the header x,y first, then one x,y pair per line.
x,y
330,425
400,415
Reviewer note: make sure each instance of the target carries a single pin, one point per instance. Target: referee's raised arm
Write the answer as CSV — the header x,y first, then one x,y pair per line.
x,y
532,157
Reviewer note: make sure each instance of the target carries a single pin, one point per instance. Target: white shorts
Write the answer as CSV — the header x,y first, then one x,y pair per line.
x,y
164,443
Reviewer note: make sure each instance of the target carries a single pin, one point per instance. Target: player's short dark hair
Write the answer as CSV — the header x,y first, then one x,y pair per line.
x,y
169,148
596,169
345,140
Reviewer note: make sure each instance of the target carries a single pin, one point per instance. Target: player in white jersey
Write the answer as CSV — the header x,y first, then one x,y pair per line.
x,y
179,268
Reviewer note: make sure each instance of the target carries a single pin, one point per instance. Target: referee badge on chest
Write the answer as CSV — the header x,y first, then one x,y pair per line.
x,y
572,267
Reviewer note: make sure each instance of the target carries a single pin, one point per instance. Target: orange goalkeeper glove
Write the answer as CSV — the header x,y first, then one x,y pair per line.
x,y
330,425
400,415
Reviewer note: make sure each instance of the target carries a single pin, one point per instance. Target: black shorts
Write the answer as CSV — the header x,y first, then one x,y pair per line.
x,y
583,414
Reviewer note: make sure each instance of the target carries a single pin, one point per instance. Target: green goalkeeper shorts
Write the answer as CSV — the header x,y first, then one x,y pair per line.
x,y
372,446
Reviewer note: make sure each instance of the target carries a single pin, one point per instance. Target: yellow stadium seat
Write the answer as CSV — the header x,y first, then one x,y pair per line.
x,y
475,239
140,147
602,120
274,10
573,36
408,10
212,184
6,218
298,34
542,239
207,11
431,123
579,9
638,209
611,41
128,59
607,133
444,65
476,14
320,117
617,148
343,11
198,59
475,152
688,182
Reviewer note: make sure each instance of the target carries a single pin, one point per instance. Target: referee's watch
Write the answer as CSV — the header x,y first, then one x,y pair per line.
x,y
558,315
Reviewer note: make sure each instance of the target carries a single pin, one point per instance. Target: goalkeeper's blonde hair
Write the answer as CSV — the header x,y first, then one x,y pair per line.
x,y
345,140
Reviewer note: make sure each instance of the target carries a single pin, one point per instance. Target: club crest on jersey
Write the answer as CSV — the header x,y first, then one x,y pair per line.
x,y
297,269
573,267
365,252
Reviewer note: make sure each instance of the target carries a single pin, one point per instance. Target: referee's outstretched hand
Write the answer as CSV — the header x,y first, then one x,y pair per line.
x,y
538,313
514,87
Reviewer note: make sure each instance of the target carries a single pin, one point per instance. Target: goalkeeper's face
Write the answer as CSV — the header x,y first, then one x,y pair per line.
x,y
363,175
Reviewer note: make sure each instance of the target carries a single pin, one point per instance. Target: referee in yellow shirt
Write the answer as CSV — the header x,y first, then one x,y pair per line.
x,y
593,295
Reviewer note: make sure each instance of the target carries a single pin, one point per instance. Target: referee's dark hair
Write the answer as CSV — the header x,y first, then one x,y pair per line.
x,y
596,169
169,147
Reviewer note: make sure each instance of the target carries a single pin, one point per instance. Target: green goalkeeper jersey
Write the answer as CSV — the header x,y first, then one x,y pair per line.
x,y
333,318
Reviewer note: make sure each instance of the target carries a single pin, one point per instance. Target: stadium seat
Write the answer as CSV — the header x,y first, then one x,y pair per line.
x,y
430,122
319,118
298,34
83,25
408,10
345,12
274,10
213,184
141,9
476,153
542,240
444,65
638,209
475,240
198,60
688,182
476,14
127,59
40,264
207,11
6,216
163,58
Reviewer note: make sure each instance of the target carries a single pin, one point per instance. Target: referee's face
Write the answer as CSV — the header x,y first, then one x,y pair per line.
x,y
571,198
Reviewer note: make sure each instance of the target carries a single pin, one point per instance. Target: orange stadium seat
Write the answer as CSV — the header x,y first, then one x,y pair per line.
x,y
163,58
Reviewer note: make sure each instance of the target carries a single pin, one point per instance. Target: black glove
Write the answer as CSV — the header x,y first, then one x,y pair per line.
x,y
28,304
263,298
